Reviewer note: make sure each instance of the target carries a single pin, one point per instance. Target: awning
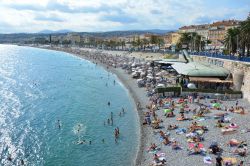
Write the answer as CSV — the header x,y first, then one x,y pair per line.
x,y
209,79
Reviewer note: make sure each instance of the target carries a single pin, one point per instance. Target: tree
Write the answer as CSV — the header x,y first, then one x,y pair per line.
x,y
245,36
231,39
184,41
145,42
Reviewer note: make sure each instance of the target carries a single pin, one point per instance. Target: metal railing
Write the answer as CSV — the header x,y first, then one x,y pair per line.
x,y
221,56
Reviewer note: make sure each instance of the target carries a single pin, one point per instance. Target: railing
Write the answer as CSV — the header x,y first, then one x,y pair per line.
x,y
221,56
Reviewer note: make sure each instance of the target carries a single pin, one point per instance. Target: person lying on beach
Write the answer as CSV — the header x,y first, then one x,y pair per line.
x,y
170,114
172,127
175,145
152,147
182,118
234,142
166,141
241,151
163,135
239,110
158,161
219,124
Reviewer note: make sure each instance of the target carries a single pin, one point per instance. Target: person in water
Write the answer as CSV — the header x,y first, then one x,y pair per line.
x,y
22,162
79,128
109,103
9,157
59,124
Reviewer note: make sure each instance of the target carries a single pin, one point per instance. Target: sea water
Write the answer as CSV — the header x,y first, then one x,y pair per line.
x,y
38,87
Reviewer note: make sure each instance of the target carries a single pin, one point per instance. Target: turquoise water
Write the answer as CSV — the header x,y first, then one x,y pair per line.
x,y
39,87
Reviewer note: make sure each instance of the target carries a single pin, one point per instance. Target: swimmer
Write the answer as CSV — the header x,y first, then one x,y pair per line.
x,y
109,103
103,140
79,128
114,82
59,124
81,142
9,157
118,130
90,142
123,110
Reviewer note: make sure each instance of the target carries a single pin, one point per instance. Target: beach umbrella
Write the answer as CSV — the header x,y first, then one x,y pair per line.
x,y
216,105
217,94
160,86
167,110
191,86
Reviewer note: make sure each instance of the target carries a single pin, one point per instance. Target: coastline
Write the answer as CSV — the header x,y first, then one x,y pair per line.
x,y
137,94
148,135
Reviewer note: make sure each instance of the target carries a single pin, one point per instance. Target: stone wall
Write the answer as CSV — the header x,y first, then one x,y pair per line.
x,y
240,72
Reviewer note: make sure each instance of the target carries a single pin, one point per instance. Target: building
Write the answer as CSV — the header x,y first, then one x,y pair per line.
x,y
171,39
175,38
74,38
187,29
218,30
214,32
203,30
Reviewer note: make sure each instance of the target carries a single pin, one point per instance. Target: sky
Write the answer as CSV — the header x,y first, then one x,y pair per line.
x,y
108,15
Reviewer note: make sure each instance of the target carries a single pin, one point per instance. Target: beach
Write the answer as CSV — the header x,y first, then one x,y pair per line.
x,y
150,135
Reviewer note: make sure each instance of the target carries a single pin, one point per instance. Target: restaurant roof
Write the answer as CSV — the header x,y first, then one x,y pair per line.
x,y
194,69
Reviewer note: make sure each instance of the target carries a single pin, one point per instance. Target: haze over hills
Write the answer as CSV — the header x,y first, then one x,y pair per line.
x,y
47,31
19,37
155,31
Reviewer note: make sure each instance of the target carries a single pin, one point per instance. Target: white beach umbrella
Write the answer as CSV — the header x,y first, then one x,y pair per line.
x,y
191,86
160,86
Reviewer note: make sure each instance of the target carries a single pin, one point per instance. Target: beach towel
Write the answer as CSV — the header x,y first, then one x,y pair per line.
x,y
180,131
229,160
233,126
191,145
228,131
207,160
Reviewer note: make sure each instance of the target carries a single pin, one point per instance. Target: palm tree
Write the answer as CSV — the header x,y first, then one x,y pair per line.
x,y
231,39
145,43
184,41
245,36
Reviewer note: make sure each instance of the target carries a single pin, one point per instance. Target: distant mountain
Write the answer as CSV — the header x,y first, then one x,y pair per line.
x,y
21,37
158,31
54,32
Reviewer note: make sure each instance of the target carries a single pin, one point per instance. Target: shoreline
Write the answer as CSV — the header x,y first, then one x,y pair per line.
x,y
128,84
149,135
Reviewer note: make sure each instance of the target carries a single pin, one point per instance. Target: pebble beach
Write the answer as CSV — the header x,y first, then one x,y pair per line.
x,y
113,60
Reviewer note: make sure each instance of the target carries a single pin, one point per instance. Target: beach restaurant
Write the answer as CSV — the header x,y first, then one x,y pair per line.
x,y
202,75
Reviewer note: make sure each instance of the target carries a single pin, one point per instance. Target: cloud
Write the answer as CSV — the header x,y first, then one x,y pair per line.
x,y
52,18
121,18
100,15
64,7
155,11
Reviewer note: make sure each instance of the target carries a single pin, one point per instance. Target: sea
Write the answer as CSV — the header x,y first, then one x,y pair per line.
x,y
54,111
